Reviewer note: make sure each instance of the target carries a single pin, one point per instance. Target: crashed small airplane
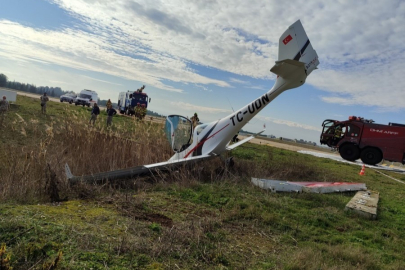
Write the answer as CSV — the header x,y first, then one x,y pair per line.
x,y
296,60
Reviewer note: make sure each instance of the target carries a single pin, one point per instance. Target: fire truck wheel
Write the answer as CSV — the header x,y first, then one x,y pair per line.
x,y
371,155
349,152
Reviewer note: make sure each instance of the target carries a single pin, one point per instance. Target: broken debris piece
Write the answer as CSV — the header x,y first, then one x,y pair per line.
x,y
364,203
308,187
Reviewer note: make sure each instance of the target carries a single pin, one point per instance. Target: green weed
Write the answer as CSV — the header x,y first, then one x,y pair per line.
x,y
203,217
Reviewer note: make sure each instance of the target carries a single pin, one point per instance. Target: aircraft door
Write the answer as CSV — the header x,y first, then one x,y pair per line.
x,y
178,131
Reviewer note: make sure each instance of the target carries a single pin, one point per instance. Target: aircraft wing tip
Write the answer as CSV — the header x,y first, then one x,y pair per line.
x,y
69,174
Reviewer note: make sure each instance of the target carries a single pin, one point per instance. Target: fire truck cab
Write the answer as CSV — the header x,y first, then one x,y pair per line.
x,y
361,138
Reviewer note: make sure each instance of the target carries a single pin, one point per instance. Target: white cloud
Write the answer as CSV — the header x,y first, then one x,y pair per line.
x,y
234,80
192,108
259,88
80,50
360,43
100,80
375,85
287,123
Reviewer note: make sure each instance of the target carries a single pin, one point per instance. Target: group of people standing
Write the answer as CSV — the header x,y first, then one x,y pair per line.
x,y
4,107
96,111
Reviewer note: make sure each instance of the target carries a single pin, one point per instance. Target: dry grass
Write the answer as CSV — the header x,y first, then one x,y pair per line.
x,y
34,163
33,171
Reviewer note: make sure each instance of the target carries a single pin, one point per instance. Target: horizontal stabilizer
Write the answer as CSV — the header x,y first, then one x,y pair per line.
x,y
287,67
233,146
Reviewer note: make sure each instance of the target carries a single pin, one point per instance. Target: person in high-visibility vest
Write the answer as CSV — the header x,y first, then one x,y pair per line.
x,y
143,111
338,132
109,104
337,135
138,111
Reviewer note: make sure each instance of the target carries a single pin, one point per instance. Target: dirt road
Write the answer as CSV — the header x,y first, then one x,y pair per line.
x,y
54,99
288,146
20,93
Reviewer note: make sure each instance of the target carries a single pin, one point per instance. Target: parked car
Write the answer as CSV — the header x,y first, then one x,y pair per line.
x,y
71,98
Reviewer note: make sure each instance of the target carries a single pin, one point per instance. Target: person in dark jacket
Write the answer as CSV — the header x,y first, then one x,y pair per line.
x,y
94,113
110,113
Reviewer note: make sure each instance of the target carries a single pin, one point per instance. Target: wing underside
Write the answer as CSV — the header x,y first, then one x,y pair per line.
x,y
233,146
131,172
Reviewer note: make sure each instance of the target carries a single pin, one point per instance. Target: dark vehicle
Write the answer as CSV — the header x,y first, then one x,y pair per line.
x,y
130,102
71,98
360,138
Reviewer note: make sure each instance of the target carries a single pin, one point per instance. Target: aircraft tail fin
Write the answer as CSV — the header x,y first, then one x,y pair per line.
x,y
295,45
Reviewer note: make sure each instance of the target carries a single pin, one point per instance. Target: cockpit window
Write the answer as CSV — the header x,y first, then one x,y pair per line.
x,y
85,96
178,132
353,131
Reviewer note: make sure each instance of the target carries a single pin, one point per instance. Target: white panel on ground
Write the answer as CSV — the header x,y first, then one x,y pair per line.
x,y
308,187
364,203
330,187
276,185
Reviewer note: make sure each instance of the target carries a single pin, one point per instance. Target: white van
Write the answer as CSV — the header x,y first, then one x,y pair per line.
x,y
86,98
9,93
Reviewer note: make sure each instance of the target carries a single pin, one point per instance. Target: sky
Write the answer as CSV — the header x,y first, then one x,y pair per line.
x,y
214,57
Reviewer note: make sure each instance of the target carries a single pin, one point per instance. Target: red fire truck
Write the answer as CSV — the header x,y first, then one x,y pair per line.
x,y
360,138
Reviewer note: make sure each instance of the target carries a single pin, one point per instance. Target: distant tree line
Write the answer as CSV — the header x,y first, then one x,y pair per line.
x,y
31,88
50,91
3,80
152,113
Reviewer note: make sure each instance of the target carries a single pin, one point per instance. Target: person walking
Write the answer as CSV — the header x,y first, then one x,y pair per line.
x,y
94,113
110,113
44,99
4,106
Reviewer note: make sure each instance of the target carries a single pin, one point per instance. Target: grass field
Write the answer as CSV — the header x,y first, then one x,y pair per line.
x,y
205,217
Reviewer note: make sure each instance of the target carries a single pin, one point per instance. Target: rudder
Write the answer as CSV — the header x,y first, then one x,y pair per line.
x,y
295,45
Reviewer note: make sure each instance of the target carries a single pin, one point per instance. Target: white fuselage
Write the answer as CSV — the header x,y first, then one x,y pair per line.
x,y
296,60
214,138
